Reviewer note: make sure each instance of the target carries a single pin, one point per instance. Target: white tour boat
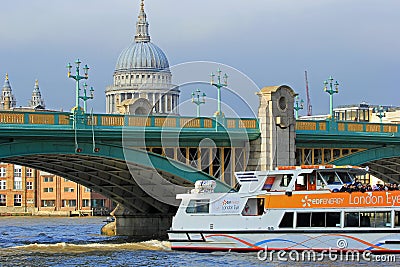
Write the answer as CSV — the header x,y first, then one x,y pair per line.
x,y
290,208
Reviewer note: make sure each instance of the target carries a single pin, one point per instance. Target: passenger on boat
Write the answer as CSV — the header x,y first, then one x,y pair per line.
x,y
345,188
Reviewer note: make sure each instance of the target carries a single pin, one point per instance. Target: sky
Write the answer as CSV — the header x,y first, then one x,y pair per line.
x,y
270,42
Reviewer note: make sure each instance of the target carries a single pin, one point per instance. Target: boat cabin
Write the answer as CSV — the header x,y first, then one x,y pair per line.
x,y
300,178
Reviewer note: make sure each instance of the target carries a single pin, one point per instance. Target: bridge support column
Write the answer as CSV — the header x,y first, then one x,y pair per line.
x,y
141,227
276,145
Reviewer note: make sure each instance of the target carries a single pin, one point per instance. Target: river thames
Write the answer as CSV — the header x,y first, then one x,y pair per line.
x,y
54,241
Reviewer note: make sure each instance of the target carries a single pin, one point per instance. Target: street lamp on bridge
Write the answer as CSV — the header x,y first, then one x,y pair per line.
x,y
380,112
86,97
298,106
197,100
77,77
331,91
219,85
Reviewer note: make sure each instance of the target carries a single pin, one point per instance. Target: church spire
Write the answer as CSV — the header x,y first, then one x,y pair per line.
x,y
7,99
6,82
142,26
37,101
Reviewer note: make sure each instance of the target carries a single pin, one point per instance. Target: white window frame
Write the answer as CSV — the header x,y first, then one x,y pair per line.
x,y
29,172
29,185
17,183
3,200
3,171
18,199
3,184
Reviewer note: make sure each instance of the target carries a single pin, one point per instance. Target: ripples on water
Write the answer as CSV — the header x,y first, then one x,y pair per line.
x,y
43,241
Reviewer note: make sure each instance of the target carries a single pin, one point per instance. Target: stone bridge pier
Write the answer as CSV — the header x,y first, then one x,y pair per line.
x,y
276,145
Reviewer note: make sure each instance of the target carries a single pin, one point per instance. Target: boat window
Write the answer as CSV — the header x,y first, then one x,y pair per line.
x,y
198,206
285,180
397,218
253,207
330,177
303,219
333,219
268,183
382,219
320,182
345,177
352,219
368,219
318,219
287,220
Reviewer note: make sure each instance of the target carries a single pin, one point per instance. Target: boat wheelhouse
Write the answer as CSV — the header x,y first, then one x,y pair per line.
x,y
290,208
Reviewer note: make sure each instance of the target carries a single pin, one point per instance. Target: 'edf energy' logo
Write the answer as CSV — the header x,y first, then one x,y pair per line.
x,y
306,201
318,201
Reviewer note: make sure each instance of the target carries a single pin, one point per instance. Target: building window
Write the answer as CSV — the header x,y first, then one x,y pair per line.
x,y
97,203
48,190
17,200
69,189
29,186
66,180
85,202
17,171
69,203
29,172
3,200
3,172
48,179
87,190
17,183
3,185
48,203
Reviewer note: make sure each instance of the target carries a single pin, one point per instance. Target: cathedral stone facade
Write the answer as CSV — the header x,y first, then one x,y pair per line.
x,y
142,78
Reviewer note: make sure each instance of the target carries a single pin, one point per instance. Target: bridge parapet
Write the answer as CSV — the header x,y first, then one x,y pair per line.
x,y
346,127
17,118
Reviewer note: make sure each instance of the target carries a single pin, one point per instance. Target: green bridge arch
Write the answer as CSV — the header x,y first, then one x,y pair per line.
x,y
383,162
121,174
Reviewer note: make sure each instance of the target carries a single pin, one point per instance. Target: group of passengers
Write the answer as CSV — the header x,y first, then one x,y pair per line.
x,y
357,186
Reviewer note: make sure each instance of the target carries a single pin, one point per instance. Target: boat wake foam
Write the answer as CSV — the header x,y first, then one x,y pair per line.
x,y
83,248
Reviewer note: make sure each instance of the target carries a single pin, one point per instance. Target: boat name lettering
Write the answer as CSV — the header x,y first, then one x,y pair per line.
x,y
392,200
366,199
226,205
325,201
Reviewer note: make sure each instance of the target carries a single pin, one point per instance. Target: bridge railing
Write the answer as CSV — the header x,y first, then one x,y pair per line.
x,y
347,127
21,118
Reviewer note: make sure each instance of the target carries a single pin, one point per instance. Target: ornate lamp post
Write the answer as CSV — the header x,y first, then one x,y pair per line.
x,y
298,106
219,85
380,112
77,77
85,97
196,100
331,91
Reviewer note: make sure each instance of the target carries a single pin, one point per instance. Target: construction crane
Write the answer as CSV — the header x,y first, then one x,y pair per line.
x,y
309,106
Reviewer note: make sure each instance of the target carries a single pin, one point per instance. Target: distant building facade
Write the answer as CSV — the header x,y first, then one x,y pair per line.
x,y
25,190
17,189
365,112
58,194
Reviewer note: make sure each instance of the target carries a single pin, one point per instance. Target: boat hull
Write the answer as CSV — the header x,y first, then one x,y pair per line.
x,y
384,241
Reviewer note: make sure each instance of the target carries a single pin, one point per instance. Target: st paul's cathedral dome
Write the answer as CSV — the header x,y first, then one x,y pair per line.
x,y
142,78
